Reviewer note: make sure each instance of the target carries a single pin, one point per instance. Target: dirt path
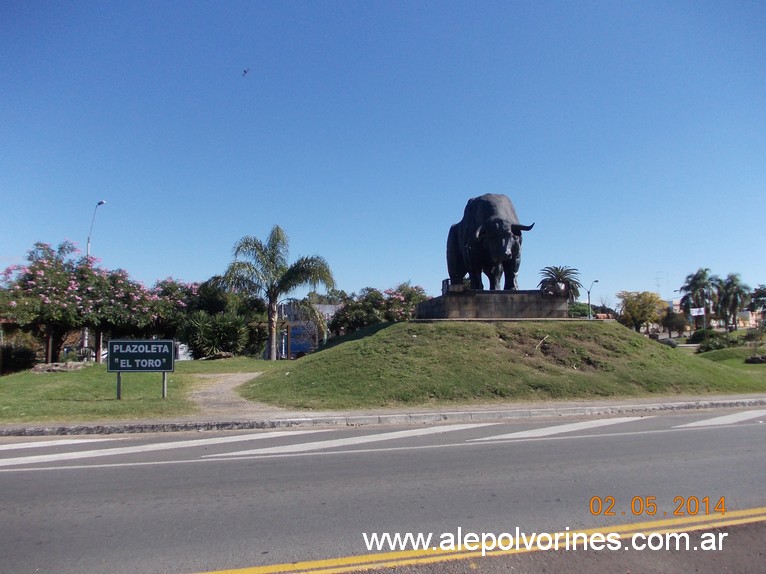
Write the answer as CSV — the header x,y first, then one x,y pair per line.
x,y
217,396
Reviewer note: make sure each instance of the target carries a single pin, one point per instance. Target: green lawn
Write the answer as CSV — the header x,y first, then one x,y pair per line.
x,y
90,394
406,364
735,358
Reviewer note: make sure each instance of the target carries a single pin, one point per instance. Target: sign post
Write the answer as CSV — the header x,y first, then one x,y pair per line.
x,y
136,356
698,312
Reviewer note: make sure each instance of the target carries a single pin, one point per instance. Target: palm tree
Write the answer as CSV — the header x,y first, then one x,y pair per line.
x,y
758,299
733,295
699,290
262,268
561,280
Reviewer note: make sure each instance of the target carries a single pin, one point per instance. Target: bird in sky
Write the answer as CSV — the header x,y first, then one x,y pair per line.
x,y
245,71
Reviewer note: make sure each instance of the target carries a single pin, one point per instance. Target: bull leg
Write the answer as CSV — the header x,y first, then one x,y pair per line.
x,y
475,275
494,273
490,273
511,269
456,267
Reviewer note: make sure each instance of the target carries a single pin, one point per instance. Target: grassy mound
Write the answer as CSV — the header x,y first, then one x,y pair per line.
x,y
455,362
735,357
406,364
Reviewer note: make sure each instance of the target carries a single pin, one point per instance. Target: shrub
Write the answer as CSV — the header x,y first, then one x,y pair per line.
x,y
212,334
713,344
14,359
701,335
718,341
70,355
371,307
754,336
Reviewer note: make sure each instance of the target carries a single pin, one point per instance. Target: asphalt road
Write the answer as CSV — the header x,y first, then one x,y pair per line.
x,y
744,552
202,502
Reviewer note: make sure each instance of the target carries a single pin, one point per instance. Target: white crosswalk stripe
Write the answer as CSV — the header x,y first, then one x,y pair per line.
x,y
334,443
725,420
57,442
306,441
559,429
147,447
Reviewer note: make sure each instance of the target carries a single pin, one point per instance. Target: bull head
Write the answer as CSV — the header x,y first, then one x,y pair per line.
x,y
497,227
502,241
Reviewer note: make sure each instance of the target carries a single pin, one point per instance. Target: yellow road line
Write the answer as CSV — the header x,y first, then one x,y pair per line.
x,y
409,557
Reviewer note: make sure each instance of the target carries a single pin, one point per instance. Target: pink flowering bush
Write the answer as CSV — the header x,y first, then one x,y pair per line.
x,y
56,293
42,291
173,301
402,301
371,306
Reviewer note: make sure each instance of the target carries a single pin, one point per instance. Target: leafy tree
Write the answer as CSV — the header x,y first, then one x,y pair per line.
x,y
372,306
578,309
44,295
402,301
332,297
56,293
758,300
700,290
173,301
368,308
117,305
604,309
733,295
638,309
211,296
262,269
561,280
673,321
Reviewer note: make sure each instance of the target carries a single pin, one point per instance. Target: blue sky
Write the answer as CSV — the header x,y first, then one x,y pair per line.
x,y
632,133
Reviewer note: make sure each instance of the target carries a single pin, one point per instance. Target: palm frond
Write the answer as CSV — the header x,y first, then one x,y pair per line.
x,y
244,277
311,271
555,275
277,246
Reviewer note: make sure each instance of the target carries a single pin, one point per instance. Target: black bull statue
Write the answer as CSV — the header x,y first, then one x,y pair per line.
x,y
487,240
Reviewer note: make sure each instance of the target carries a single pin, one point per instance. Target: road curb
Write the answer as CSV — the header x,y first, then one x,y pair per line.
x,y
382,419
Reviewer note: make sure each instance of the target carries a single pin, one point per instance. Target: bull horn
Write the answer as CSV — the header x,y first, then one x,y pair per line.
x,y
517,227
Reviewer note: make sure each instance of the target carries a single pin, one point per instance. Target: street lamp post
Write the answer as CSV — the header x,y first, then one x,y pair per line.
x,y
87,254
590,315
92,221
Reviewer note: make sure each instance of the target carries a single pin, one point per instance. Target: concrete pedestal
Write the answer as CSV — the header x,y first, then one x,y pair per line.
x,y
459,303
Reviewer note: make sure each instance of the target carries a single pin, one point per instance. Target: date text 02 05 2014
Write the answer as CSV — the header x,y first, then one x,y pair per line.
x,y
647,505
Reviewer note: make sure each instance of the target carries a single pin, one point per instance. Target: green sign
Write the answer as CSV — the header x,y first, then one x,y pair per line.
x,y
152,356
